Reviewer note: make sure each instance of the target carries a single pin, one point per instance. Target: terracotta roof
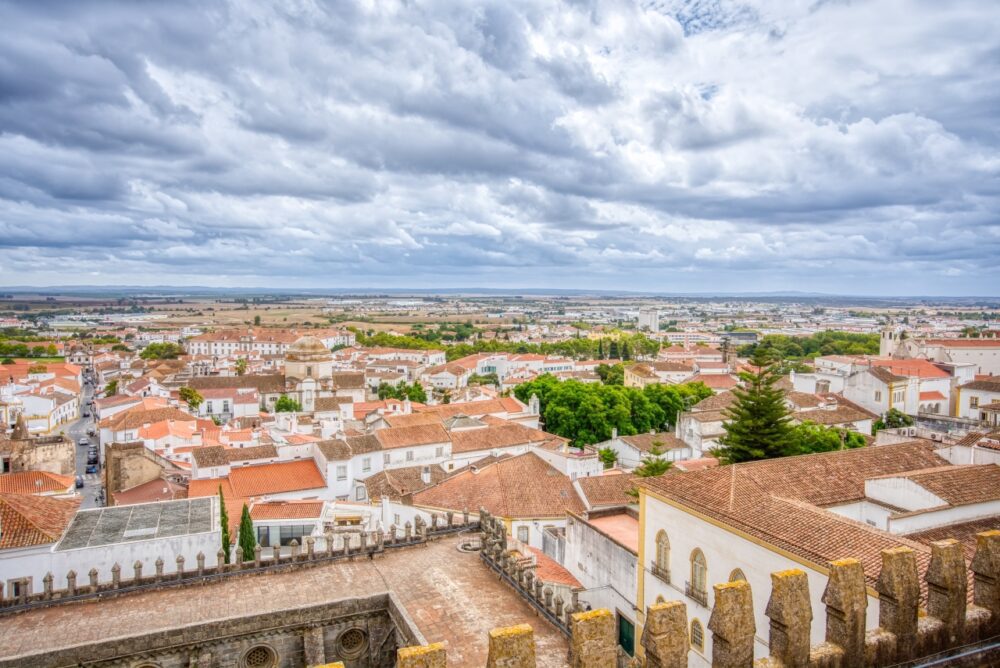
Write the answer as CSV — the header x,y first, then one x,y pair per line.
x,y
964,532
964,343
329,403
394,484
412,420
404,437
364,443
777,500
992,385
210,455
267,451
838,415
151,491
550,570
699,464
621,527
348,380
136,417
715,381
248,481
960,485
495,436
644,442
335,449
716,402
265,384
803,399
33,520
885,375
475,408
525,486
35,482
932,396
607,490
707,416
286,510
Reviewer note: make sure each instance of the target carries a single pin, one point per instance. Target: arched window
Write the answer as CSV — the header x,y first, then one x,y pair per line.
x,y
661,568
698,586
697,635
737,575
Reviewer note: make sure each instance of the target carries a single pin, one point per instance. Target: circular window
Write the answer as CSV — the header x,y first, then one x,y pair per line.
x,y
352,642
260,656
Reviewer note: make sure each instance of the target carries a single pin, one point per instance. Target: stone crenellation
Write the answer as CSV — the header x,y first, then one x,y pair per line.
x,y
905,631
144,576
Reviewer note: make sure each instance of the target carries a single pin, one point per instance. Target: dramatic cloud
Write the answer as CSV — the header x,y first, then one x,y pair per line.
x,y
670,145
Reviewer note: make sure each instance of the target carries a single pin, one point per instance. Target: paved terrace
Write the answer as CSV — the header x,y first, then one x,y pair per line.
x,y
450,595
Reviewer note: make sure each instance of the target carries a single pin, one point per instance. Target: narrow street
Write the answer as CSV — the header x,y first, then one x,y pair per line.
x,y
75,431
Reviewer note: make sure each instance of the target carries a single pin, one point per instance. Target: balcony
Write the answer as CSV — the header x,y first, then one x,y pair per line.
x,y
699,595
660,572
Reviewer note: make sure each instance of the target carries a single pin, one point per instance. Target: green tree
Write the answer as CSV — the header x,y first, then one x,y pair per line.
x,y
224,523
809,437
111,388
613,350
757,425
653,464
191,397
241,365
608,457
611,374
256,320
161,351
285,404
8,360
893,419
247,538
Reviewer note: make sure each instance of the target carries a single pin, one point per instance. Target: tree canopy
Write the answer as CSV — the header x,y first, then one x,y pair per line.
x,y
587,413
782,347
285,404
414,392
161,351
191,397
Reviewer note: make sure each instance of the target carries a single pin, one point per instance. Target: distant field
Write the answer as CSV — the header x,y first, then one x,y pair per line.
x,y
32,360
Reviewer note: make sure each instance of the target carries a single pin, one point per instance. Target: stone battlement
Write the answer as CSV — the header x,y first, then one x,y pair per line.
x,y
905,631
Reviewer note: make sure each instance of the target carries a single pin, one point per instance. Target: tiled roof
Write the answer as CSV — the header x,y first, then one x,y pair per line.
x,y
329,403
803,399
262,383
151,491
932,396
920,368
964,532
518,487
960,485
364,443
475,408
210,455
607,490
136,417
716,381
716,402
348,380
990,385
777,500
707,416
267,451
495,436
664,440
35,482
548,569
33,520
825,416
248,481
403,437
412,419
885,375
334,449
394,484
964,343
286,510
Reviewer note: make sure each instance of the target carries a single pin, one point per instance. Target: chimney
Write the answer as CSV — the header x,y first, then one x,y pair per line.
x,y
425,475
614,433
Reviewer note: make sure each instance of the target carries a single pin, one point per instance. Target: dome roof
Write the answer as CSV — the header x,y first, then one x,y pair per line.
x,y
308,349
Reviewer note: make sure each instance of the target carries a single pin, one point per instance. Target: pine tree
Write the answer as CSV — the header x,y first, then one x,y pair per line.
x,y
653,464
247,540
224,521
757,425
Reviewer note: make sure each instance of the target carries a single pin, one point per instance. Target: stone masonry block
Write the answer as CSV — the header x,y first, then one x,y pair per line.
x,y
512,647
422,656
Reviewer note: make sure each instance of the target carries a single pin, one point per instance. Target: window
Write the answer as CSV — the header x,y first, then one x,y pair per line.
x,y
366,464
697,588
697,635
973,402
309,372
19,587
409,455
898,396
395,520
225,406
208,407
341,472
522,534
661,567
439,451
296,532
385,458
264,536
361,494
737,575
6,464
878,395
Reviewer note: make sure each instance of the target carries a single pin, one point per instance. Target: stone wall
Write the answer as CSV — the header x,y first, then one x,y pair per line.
x,y
127,465
54,454
948,627
359,632
123,579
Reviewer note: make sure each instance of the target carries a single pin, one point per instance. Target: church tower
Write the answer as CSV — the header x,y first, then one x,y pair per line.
x,y
889,340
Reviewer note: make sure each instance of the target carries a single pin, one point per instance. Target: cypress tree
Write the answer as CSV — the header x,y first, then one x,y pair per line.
x,y
757,425
247,540
625,352
600,349
224,521
613,353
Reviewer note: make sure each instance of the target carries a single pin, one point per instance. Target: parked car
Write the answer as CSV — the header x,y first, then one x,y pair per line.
x,y
84,441
86,414
92,468
92,459
79,481
91,432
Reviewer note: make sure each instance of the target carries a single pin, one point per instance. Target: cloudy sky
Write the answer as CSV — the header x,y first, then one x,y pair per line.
x,y
662,145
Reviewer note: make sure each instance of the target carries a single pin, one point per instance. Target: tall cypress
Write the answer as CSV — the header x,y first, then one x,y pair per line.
x,y
758,422
247,540
600,349
224,521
